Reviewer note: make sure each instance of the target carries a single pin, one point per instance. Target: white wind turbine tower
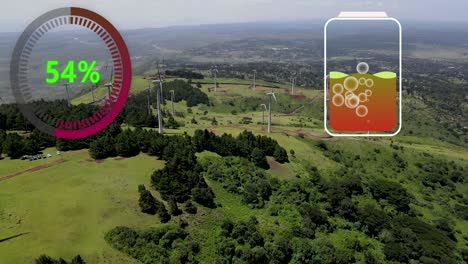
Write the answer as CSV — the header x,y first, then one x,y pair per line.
x,y
172,101
264,108
293,83
68,94
158,98
271,95
148,97
215,74
93,86
254,79
109,85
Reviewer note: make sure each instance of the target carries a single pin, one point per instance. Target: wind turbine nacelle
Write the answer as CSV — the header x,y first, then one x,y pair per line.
x,y
273,95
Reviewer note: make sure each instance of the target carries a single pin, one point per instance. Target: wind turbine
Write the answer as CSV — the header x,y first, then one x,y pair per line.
x,y
158,98
160,68
293,83
148,95
264,108
109,85
68,94
172,101
254,79
215,74
92,92
271,95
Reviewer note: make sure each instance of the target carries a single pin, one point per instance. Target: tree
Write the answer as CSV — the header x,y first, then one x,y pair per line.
x,y
147,202
250,194
163,214
293,153
393,192
172,123
324,251
126,145
44,259
280,251
280,154
259,159
312,217
2,140
77,260
373,218
204,196
102,148
31,146
190,208
303,252
13,145
173,208
413,239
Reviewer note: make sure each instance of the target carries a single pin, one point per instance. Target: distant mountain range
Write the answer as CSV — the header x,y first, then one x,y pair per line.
x,y
233,43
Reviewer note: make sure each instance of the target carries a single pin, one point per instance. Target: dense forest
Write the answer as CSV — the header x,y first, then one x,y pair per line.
x,y
187,74
382,225
374,214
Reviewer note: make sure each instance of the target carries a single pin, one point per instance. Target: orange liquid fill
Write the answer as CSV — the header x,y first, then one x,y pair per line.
x,y
381,105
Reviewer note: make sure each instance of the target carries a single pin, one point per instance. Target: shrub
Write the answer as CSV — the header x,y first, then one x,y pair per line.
x,y
204,196
280,154
173,208
393,192
190,208
147,202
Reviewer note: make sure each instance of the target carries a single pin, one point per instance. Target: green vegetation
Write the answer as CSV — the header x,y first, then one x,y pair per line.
x,y
157,245
231,193
186,74
44,259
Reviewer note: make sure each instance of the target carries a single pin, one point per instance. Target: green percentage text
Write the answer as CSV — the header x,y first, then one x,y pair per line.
x,y
68,73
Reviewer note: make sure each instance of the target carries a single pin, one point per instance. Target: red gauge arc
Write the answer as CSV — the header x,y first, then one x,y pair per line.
x,y
23,93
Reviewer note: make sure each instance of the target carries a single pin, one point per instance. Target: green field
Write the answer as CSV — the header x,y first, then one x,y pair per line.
x,y
65,209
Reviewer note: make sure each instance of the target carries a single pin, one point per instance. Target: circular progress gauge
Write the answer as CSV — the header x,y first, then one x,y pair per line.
x,y
20,73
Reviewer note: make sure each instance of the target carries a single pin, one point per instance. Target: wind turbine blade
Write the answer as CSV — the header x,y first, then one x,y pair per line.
x,y
273,94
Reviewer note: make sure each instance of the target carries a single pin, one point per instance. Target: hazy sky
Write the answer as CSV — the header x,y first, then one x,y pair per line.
x,y
129,14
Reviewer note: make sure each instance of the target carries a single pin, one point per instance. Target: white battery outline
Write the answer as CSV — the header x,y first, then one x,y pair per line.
x,y
379,16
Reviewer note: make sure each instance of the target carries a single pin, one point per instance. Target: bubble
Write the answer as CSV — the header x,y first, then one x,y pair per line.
x,y
368,92
352,101
351,83
362,111
338,100
348,93
369,83
362,81
362,97
362,68
337,88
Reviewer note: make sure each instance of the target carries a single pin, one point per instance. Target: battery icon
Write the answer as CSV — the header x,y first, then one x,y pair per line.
x,y
362,74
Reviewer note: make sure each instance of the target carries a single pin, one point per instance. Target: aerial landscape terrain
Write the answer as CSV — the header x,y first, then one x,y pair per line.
x,y
216,187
